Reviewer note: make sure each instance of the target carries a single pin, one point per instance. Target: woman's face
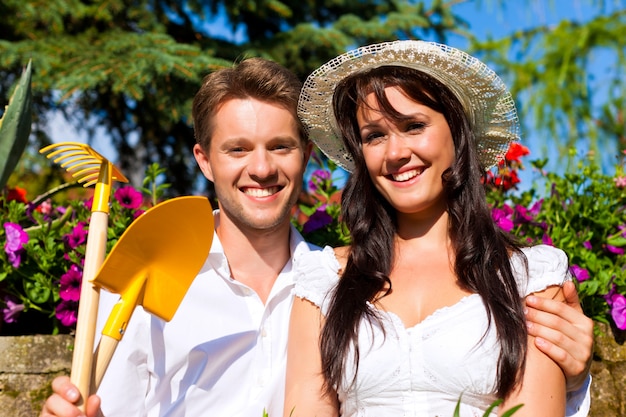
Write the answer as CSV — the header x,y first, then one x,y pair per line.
x,y
406,159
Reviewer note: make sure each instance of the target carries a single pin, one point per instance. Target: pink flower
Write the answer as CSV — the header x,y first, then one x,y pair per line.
x,y
128,197
66,312
70,284
502,217
614,249
618,311
620,182
77,237
581,274
16,237
546,240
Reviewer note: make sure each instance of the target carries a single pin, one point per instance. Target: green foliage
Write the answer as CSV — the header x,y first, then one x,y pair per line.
x,y
583,213
489,410
318,213
15,126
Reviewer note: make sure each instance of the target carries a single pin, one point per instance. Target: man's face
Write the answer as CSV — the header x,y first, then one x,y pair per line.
x,y
256,161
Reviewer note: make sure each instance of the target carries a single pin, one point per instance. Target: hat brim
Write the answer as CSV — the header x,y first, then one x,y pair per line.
x,y
487,102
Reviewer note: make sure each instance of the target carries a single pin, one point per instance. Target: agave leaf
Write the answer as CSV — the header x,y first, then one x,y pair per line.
x,y
15,126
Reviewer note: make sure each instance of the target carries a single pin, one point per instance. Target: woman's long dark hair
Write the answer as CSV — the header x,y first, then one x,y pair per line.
x,y
482,249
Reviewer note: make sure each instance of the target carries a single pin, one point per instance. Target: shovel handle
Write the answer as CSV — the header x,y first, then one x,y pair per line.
x,y
116,324
82,359
104,353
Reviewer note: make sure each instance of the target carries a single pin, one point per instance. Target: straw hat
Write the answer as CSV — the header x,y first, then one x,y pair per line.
x,y
486,100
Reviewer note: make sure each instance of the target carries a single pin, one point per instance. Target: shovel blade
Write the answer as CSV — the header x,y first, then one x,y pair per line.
x,y
166,246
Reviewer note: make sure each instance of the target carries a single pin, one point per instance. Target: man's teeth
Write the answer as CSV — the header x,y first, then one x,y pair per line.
x,y
261,192
405,176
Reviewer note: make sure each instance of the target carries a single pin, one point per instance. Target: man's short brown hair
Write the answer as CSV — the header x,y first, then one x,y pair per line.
x,y
256,78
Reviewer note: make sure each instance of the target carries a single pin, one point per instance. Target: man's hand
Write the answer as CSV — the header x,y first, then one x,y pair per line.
x,y
563,332
63,401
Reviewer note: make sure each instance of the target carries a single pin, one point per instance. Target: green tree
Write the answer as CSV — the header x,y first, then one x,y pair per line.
x,y
571,79
132,68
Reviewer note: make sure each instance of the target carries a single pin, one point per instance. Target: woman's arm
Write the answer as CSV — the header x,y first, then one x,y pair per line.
x,y
542,387
304,394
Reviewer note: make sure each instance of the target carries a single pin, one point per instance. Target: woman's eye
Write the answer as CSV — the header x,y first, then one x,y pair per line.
x,y
372,137
415,126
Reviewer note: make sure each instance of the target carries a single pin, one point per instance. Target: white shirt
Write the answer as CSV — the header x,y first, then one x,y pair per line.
x,y
424,370
223,353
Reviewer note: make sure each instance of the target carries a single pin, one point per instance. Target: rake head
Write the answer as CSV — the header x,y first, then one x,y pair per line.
x,y
85,164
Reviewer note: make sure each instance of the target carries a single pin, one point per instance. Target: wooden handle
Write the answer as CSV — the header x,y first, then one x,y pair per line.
x,y
82,359
105,351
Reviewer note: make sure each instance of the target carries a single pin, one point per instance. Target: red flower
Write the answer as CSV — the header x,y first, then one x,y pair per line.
x,y
18,194
516,151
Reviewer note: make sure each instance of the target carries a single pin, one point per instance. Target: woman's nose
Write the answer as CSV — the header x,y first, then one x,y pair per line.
x,y
397,148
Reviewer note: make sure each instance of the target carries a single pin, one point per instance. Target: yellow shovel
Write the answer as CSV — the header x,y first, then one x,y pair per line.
x,y
153,264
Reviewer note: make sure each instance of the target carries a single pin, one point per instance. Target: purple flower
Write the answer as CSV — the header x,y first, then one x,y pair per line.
x,y
502,217
318,177
618,311
14,245
66,312
317,220
128,197
70,284
581,274
587,245
524,215
12,309
77,237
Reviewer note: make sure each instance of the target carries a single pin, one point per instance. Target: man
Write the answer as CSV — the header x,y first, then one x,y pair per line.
x,y
223,353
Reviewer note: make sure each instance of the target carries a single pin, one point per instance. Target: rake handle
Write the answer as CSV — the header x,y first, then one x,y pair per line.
x,y
82,359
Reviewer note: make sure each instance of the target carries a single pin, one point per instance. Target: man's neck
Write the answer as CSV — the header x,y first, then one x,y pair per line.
x,y
255,257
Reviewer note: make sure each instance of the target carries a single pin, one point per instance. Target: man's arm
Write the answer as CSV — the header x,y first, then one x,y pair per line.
x,y
564,333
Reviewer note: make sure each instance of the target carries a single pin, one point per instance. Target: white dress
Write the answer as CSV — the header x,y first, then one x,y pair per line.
x,y
425,369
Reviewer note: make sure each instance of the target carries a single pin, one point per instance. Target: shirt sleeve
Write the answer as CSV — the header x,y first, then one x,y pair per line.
x,y
547,266
579,402
316,276
126,380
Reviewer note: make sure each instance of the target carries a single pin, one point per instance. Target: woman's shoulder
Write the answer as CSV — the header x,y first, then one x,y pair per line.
x,y
316,274
547,266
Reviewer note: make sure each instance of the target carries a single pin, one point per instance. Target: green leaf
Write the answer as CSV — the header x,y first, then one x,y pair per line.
x,y
618,241
15,126
512,410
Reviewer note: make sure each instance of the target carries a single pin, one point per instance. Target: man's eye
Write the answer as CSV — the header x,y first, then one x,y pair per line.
x,y
236,150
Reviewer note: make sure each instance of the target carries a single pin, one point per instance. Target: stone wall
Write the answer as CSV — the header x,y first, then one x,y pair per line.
x,y
29,363
27,366
608,389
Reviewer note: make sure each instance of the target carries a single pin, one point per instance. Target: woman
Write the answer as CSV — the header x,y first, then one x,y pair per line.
x,y
428,309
